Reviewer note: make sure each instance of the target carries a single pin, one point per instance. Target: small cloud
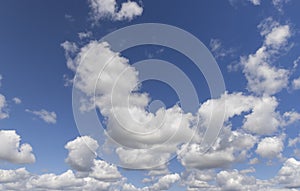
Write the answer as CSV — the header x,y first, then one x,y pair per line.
x,y
48,117
0,79
84,35
17,100
296,84
218,50
3,107
69,18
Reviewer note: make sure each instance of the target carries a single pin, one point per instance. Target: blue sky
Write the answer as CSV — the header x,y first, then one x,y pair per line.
x,y
43,45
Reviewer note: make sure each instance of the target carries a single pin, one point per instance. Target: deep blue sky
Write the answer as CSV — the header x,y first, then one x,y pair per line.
x,y
33,64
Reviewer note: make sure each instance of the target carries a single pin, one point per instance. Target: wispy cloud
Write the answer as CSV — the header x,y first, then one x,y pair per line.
x,y
47,116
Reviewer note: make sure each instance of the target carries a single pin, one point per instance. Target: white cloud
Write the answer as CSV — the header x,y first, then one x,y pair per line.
x,y
296,83
263,119
218,50
3,107
12,151
262,76
10,176
255,2
165,182
108,9
270,147
65,181
294,142
104,172
289,174
17,100
172,124
82,152
234,180
47,116
230,147
84,35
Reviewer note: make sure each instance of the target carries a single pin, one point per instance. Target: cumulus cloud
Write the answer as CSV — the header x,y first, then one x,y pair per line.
x,y
12,151
108,9
289,174
230,147
270,147
263,119
263,77
82,152
65,181
296,83
152,129
11,176
47,116
234,181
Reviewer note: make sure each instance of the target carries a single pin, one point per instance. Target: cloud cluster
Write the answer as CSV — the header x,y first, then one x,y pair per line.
x,y
263,77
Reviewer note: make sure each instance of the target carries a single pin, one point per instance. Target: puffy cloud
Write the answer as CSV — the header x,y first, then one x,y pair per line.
x,y
161,132
3,107
47,116
270,147
230,147
8,176
65,181
165,182
197,180
262,77
102,9
17,100
104,172
234,180
263,119
289,174
82,152
296,83
12,151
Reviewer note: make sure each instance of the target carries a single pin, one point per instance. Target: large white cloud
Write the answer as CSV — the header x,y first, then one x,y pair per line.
x,y
12,151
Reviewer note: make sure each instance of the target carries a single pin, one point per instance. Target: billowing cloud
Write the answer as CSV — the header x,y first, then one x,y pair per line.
x,y
12,151
82,152
47,116
108,9
270,147
263,77
288,175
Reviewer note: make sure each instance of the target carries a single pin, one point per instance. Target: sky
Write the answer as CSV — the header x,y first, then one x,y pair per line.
x,y
150,95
